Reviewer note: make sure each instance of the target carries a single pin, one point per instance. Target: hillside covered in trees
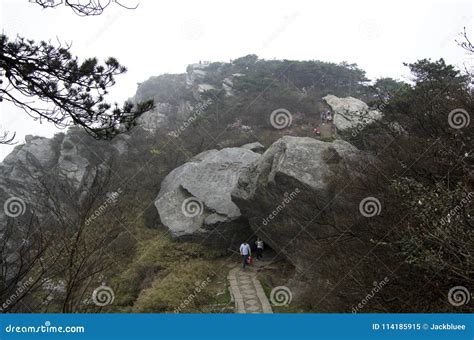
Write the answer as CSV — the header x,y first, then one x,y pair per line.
x,y
90,211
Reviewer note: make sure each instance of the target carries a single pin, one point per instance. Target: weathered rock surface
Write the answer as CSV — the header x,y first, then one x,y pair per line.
x,y
36,172
290,201
173,101
62,161
18,172
195,73
178,96
227,85
156,118
255,147
350,112
194,199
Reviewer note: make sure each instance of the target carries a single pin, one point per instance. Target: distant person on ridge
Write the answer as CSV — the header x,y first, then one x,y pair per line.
x,y
245,252
259,244
329,116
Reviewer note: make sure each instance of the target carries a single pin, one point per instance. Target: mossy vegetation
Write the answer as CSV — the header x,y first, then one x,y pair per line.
x,y
165,275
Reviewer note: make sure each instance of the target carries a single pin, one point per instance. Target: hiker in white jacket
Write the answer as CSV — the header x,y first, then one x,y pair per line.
x,y
245,252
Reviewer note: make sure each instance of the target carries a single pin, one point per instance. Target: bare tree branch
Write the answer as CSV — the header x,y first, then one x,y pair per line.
x,y
82,7
466,44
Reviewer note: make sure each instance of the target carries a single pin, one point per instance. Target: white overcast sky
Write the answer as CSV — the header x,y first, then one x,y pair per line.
x,y
165,36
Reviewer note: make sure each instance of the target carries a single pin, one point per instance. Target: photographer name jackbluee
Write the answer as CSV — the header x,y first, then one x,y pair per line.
x,y
447,327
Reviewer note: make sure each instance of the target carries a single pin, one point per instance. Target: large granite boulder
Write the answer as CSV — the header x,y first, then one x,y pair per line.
x,y
299,198
350,112
195,202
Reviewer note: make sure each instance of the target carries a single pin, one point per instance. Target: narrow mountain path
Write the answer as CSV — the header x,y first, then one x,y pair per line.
x,y
247,291
327,130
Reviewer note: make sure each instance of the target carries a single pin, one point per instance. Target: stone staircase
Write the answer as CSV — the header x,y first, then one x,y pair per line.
x,y
247,292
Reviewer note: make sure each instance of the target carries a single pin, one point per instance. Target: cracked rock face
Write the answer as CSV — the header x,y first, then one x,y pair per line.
x,y
33,172
350,112
64,159
195,200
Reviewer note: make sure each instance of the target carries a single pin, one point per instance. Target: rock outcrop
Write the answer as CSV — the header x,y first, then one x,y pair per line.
x,y
178,96
36,175
350,113
195,73
173,101
290,200
157,118
18,173
195,202
62,161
